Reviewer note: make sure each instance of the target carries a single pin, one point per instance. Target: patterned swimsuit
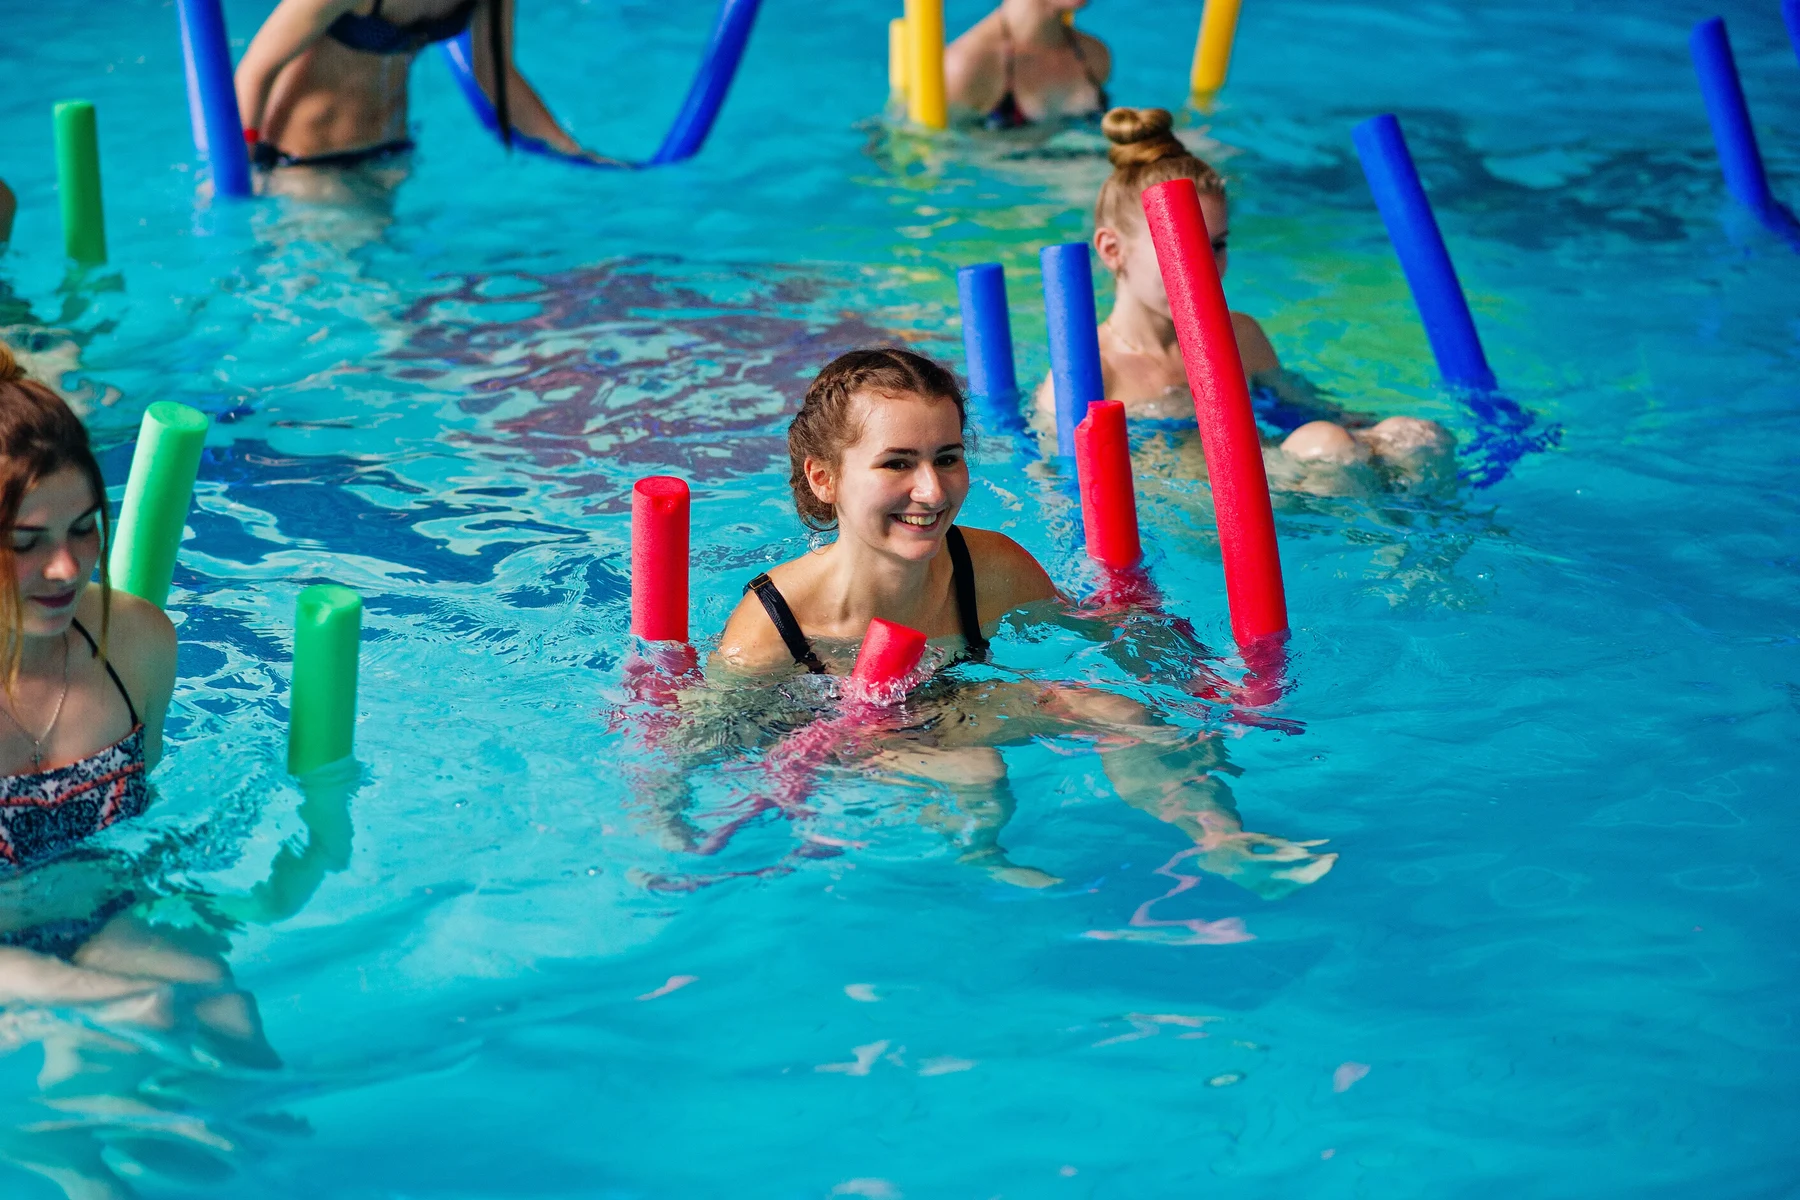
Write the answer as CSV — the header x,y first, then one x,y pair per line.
x,y
43,813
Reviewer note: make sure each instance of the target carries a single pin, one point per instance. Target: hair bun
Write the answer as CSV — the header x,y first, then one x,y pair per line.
x,y
1140,136
10,369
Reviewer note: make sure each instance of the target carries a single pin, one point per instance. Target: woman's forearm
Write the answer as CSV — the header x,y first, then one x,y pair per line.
x,y
290,29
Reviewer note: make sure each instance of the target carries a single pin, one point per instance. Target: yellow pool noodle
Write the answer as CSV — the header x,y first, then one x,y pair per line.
x,y
925,102
897,56
1212,53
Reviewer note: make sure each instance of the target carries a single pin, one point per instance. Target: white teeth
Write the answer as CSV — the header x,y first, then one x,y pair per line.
x,y
918,520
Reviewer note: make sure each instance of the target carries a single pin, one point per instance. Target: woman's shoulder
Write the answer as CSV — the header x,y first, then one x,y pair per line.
x,y
140,643
1095,54
1254,346
1006,574
750,642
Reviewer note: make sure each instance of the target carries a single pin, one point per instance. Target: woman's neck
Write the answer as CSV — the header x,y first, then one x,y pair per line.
x,y
41,655
860,583
1139,328
1032,21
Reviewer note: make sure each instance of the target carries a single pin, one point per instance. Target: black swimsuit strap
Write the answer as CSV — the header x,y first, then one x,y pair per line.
x,y
776,605
1086,68
117,682
962,581
498,47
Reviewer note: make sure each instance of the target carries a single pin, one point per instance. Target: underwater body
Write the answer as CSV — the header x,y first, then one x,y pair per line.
x,y
1549,725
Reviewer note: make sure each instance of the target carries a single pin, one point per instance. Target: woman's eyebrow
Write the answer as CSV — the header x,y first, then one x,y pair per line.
x,y
43,528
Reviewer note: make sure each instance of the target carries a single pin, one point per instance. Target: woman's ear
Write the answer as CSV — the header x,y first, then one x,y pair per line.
x,y
819,479
1110,247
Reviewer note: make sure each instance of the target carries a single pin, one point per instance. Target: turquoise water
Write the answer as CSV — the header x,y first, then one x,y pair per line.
x,y
1544,724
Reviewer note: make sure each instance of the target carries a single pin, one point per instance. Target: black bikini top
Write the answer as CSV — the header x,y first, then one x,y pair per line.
x,y
962,582
375,34
1008,115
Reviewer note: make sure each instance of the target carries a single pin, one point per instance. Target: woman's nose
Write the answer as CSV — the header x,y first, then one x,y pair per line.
x,y
62,565
927,487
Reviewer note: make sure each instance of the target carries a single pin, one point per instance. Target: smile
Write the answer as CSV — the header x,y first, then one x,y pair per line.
x,y
919,520
56,602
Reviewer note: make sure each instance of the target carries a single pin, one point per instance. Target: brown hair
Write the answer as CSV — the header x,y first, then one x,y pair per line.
x,y
1144,153
39,436
828,422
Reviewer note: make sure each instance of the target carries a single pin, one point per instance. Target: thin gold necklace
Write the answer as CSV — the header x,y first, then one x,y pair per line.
x,y
37,743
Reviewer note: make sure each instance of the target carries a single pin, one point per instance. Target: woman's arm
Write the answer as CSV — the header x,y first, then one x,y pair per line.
x,y
526,111
141,645
975,68
290,29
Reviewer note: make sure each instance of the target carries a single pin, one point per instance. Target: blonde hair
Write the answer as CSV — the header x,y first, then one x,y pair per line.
x,y
39,436
1144,153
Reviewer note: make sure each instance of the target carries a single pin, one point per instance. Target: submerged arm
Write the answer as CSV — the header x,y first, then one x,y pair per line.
x,y
526,111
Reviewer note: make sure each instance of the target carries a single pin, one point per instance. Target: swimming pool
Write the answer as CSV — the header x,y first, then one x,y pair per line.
x,y
1545,723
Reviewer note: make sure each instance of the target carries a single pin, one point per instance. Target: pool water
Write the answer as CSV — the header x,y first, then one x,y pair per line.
x,y
1545,724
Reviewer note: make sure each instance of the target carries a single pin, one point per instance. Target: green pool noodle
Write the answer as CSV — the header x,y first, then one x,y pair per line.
x,y
322,709
157,492
78,181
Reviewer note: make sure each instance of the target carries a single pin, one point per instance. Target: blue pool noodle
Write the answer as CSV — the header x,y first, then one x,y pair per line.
x,y
212,99
987,331
706,95
1429,273
1733,134
1790,12
1074,337
1730,116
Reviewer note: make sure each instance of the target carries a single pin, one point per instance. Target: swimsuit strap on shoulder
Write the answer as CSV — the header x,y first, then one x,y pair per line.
x,y
94,647
962,580
1087,68
782,617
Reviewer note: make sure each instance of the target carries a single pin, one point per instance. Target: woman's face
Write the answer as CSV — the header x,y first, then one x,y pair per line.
x,y
899,487
1131,255
55,545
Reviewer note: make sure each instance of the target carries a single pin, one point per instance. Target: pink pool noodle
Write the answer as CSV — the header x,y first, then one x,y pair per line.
x,y
1228,432
1108,500
659,559
889,654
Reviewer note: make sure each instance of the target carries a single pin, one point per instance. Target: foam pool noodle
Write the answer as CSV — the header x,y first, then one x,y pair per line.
x,y
889,654
212,96
1108,499
1074,336
987,345
1727,111
659,559
322,705
897,71
1212,50
1228,433
925,94
78,181
157,492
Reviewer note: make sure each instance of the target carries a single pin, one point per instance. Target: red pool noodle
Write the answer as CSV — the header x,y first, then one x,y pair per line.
x,y
659,559
1108,499
1228,432
889,654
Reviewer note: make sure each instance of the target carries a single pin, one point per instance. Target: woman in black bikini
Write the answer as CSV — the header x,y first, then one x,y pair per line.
x,y
877,453
1023,63
324,82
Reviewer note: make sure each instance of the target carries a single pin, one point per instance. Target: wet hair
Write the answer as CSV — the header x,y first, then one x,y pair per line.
x,y
829,421
1144,153
39,436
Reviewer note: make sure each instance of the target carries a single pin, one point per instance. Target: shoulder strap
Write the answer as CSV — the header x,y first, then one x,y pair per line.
x,y
782,617
1087,68
962,580
94,648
